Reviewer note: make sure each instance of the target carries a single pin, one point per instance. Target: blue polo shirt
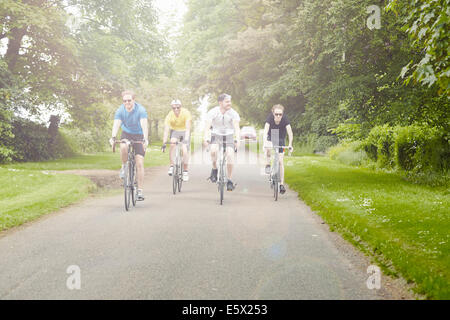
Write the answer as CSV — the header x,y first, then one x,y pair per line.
x,y
131,120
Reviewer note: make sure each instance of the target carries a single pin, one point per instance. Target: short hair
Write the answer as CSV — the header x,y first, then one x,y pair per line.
x,y
277,106
130,92
223,96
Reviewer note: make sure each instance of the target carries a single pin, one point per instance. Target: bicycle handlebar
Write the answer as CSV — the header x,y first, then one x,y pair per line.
x,y
125,141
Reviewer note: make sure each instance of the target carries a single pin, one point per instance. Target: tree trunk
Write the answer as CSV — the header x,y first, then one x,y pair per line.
x,y
156,128
15,40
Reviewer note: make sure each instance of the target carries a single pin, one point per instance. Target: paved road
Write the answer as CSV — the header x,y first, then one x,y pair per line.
x,y
185,246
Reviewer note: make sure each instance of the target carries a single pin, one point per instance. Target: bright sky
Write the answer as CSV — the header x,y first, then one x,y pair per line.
x,y
171,13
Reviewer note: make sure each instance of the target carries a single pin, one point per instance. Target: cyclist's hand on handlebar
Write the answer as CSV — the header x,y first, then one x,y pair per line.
x,y
112,141
237,144
163,147
145,143
291,149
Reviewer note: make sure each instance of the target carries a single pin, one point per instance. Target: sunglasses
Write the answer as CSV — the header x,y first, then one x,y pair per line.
x,y
176,108
278,114
125,101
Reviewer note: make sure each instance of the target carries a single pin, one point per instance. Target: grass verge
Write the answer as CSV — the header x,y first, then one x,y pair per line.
x,y
28,194
403,226
103,160
29,190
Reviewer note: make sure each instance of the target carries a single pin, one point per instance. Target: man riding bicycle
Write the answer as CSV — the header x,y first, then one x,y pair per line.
x,y
275,129
132,118
222,121
178,125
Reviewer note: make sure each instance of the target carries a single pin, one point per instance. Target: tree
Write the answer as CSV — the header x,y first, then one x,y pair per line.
x,y
427,23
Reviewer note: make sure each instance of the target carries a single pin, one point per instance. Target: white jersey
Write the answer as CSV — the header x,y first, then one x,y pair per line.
x,y
222,124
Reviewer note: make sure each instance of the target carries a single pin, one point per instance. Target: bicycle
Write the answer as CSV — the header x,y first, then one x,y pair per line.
x,y
221,178
275,174
129,179
177,174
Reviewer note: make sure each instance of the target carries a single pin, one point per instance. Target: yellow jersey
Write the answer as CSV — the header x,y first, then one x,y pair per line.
x,y
178,123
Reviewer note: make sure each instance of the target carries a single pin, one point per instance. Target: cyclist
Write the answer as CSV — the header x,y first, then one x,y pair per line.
x,y
132,118
178,124
275,129
222,121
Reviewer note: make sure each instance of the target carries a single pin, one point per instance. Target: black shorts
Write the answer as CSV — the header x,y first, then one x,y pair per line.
x,y
218,139
138,147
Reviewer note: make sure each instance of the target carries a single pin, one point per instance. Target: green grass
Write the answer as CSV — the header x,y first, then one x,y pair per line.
x,y
104,160
28,194
29,190
403,226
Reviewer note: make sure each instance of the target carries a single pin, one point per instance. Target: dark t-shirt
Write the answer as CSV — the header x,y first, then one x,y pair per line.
x,y
277,130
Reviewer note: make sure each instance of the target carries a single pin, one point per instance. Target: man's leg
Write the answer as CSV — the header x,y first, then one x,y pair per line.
x,y
230,162
140,170
267,152
213,151
185,157
281,158
172,150
123,153
282,187
123,158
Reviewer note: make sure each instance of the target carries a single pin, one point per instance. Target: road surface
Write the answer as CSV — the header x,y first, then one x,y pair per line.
x,y
185,246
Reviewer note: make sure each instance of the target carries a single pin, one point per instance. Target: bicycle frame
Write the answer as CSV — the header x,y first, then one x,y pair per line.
x,y
178,167
222,163
130,173
275,174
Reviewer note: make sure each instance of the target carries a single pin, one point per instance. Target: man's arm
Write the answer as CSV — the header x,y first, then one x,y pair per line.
x,y
237,131
266,132
290,135
115,129
206,135
188,129
144,125
166,132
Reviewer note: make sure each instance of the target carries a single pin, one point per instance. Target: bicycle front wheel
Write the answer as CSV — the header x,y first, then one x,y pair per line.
x,y
133,184
180,177
126,188
275,190
174,179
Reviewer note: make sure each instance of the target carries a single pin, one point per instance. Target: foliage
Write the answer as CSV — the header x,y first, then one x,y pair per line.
x,y
348,152
414,148
427,23
31,142
86,140
75,55
422,149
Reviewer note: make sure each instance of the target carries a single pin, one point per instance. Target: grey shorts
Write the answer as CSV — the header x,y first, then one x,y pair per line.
x,y
218,139
180,134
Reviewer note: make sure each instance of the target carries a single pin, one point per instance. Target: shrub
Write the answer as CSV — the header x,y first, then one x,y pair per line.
x,y
348,152
348,131
379,145
32,142
414,148
421,148
85,141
